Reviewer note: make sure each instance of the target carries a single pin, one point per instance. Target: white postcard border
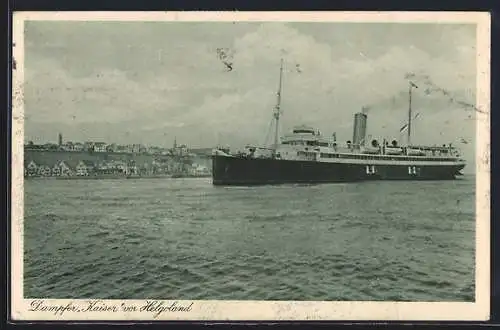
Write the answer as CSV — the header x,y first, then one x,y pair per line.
x,y
259,310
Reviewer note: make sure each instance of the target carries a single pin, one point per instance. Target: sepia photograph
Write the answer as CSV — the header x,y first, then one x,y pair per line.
x,y
250,166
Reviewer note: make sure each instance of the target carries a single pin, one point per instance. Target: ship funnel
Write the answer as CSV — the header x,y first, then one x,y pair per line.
x,y
359,134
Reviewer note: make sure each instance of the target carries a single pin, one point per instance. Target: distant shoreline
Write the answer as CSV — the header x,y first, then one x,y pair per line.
x,y
196,152
112,177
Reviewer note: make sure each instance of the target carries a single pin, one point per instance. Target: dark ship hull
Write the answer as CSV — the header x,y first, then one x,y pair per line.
x,y
228,170
306,156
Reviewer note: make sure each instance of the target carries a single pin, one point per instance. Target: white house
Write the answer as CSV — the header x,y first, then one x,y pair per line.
x,y
44,170
65,169
100,147
84,168
56,170
31,168
197,169
68,146
78,146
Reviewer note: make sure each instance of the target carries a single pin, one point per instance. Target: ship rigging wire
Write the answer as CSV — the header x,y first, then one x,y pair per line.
x,y
271,123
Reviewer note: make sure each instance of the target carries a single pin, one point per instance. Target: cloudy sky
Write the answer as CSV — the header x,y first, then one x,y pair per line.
x,y
148,82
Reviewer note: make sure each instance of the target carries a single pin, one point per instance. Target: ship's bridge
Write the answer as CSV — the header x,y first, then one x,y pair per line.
x,y
306,136
303,129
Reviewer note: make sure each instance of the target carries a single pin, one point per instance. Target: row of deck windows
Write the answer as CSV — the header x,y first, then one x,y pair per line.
x,y
306,154
334,145
308,143
372,157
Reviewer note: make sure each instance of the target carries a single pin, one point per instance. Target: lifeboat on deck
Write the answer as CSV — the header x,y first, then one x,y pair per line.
x,y
370,150
393,151
415,152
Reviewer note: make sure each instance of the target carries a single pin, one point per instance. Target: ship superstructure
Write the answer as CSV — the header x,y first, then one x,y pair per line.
x,y
305,155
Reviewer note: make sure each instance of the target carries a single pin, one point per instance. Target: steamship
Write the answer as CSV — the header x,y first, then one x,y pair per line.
x,y
307,156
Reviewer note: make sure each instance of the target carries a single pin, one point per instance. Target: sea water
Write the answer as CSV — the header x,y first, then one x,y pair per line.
x,y
187,239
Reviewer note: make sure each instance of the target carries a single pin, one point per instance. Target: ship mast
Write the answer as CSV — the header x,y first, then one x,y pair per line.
x,y
277,112
410,87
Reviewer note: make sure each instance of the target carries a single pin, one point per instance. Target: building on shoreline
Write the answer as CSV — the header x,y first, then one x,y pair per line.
x,y
95,158
37,164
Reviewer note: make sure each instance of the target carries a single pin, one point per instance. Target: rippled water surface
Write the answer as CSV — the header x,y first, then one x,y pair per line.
x,y
186,239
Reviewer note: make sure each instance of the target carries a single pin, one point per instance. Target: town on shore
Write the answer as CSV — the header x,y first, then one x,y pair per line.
x,y
95,160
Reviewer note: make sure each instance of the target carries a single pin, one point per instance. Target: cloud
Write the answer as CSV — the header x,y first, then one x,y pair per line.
x,y
107,95
155,85
329,89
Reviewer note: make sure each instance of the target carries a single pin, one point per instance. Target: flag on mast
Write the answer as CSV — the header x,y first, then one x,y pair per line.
x,y
405,126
